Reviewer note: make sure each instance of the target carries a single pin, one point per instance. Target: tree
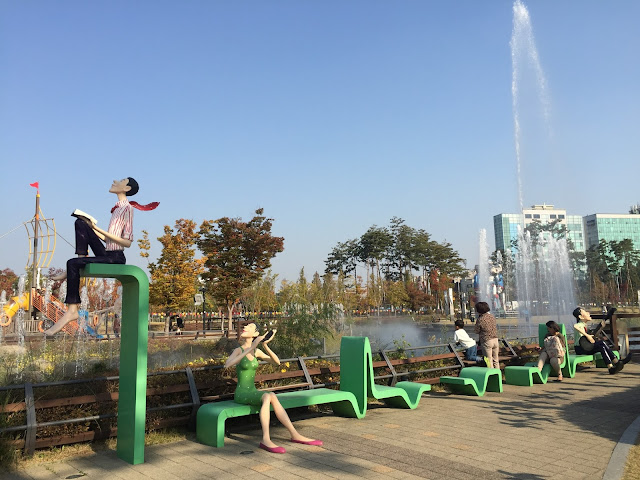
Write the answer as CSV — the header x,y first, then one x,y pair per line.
x,y
344,258
144,245
397,294
401,254
315,290
374,243
7,280
174,274
418,298
261,295
236,254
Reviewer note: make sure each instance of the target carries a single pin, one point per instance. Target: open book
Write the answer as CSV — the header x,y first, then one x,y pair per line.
x,y
84,216
87,218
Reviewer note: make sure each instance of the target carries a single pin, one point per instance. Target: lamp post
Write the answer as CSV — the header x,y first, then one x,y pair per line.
x,y
202,290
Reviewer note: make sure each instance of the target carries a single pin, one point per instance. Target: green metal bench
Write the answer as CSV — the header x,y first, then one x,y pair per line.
x,y
356,376
356,383
529,374
475,381
542,332
526,376
132,390
212,416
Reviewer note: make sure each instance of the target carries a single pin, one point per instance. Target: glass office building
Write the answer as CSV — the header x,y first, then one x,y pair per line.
x,y
506,225
612,227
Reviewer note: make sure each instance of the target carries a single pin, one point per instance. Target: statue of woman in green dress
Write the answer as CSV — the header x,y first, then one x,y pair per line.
x,y
245,358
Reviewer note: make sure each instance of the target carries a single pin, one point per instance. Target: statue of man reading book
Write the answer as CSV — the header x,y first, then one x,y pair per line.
x,y
117,237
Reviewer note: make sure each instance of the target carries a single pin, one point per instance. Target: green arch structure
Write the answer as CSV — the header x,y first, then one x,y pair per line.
x,y
132,396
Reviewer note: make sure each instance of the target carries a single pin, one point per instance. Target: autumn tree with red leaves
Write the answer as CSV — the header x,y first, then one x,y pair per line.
x,y
236,254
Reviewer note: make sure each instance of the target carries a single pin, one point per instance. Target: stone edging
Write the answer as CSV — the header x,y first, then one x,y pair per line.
x,y
618,460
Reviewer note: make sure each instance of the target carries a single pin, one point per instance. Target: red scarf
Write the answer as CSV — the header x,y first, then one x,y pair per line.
x,y
146,208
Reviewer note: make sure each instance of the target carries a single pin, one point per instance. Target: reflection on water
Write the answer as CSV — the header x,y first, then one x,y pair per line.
x,y
392,332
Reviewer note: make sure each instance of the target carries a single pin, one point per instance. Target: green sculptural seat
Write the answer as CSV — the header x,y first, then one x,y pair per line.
x,y
356,384
475,381
132,393
526,376
356,376
211,417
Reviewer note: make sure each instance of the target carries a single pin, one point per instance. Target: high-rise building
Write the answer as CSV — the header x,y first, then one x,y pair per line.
x,y
612,227
506,225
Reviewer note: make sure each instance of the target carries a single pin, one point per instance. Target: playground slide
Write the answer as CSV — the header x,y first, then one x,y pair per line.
x,y
16,303
92,332
12,307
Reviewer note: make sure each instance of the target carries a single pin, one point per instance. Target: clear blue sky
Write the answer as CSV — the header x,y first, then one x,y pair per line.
x,y
332,115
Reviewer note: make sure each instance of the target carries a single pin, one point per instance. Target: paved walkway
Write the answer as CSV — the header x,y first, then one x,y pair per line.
x,y
559,431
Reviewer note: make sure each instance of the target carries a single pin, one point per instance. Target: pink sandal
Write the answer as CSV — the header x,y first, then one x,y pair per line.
x,y
317,443
272,449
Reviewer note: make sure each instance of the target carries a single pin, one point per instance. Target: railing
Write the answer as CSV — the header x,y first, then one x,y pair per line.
x,y
393,369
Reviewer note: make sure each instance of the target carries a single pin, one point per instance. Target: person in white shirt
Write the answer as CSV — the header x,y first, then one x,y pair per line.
x,y
462,338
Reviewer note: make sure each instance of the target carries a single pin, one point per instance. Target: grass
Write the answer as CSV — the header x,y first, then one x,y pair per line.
x,y
65,452
632,468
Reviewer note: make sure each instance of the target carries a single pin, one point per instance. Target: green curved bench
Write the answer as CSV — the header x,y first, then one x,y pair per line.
x,y
542,332
356,376
526,376
211,417
529,374
475,381
356,384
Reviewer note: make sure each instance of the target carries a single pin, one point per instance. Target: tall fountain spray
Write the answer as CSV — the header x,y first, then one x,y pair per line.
x,y
483,267
3,302
524,58
544,277
19,317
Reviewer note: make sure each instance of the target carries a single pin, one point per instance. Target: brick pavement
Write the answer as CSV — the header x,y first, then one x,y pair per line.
x,y
562,431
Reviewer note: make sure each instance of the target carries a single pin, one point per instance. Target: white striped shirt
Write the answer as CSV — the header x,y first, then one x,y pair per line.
x,y
121,225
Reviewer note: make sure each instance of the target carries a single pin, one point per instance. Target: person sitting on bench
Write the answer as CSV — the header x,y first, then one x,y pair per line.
x,y
552,349
613,364
245,358
462,338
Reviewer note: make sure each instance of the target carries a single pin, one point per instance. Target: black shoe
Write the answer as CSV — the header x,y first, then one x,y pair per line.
x,y
618,366
627,359
612,371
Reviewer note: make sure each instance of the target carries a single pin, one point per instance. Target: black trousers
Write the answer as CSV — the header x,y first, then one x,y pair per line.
x,y
599,346
86,238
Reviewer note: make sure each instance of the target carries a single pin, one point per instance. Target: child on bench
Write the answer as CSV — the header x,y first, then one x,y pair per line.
x,y
462,338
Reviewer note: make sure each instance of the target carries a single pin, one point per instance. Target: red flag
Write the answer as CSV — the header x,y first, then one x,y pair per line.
x,y
35,185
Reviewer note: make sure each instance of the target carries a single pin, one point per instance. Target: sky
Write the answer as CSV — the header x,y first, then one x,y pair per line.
x,y
332,115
